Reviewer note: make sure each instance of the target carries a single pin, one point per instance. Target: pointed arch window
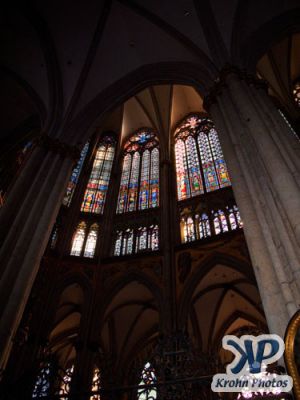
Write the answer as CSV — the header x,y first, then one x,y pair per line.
x,y
96,190
200,164
75,176
91,241
139,187
83,244
148,377
78,239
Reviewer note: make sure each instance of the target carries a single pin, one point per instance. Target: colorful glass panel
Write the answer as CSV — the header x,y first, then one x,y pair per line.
x,y
193,167
154,238
118,244
183,187
78,240
154,178
209,172
141,242
123,195
220,164
96,384
75,176
91,241
139,188
42,384
199,157
204,227
134,181
148,377
189,230
65,386
144,185
95,194
128,242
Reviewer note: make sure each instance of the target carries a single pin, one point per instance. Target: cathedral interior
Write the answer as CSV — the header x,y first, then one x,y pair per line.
x,y
149,193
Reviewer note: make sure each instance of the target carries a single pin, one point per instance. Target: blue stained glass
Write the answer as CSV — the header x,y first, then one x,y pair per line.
x,y
198,154
139,187
75,176
95,194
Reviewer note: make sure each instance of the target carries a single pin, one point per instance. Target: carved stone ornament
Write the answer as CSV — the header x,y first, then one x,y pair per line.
x,y
59,147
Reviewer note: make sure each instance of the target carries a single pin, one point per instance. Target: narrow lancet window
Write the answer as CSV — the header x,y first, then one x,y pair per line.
x,y
75,176
96,190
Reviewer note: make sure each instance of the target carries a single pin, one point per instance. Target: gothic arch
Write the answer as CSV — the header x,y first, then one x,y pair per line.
x,y
200,76
115,285
201,269
247,51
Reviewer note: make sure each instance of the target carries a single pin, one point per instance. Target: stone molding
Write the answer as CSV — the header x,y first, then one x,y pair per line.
x,y
58,147
220,83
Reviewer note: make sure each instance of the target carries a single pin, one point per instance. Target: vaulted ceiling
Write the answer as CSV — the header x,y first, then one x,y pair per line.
x,y
65,62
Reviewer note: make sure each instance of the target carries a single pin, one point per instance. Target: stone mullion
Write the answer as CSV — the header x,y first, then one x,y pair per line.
x,y
30,243
228,125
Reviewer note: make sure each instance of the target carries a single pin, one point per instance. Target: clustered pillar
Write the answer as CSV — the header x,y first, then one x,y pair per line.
x,y
26,221
262,155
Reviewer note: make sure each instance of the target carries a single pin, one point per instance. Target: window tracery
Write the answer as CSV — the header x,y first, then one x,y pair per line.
x,y
83,244
148,377
75,176
195,226
200,164
139,187
96,190
136,240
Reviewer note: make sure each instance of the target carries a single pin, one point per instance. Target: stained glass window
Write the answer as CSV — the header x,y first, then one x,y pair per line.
x,y
189,230
75,176
78,239
96,190
96,385
148,377
91,241
200,164
139,187
204,226
42,384
296,93
234,218
65,385
136,240
195,227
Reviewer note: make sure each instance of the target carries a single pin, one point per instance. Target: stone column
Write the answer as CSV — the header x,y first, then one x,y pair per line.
x,y
261,156
29,215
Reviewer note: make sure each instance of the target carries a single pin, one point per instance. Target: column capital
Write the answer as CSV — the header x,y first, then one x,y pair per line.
x,y
57,146
221,83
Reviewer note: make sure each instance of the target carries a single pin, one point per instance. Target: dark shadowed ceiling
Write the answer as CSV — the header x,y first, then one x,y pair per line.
x,y
65,62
